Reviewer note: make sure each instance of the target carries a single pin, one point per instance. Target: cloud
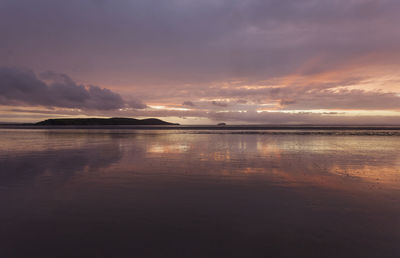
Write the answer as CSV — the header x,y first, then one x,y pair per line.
x,y
188,103
274,54
241,101
219,104
173,42
136,104
307,98
345,99
285,102
50,89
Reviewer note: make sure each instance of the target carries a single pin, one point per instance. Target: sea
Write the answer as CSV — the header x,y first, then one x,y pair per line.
x,y
199,191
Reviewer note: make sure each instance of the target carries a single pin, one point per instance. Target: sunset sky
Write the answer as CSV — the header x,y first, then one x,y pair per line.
x,y
201,62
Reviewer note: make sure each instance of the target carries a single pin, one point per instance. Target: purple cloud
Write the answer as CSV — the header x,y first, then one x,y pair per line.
x,y
219,104
188,103
277,54
23,87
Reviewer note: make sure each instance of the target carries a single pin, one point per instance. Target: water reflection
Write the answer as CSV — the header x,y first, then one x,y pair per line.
x,y
175,194
52,163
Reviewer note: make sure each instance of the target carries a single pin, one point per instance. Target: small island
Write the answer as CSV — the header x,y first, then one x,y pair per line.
x,y
104,121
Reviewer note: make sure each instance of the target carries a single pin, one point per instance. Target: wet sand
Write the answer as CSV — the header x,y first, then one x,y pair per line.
x,y
199,193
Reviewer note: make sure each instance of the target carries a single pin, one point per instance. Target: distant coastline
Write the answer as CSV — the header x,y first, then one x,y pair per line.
x,y
102,121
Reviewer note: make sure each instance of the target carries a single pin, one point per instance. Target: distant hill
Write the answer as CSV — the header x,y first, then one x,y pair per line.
x,y
104,121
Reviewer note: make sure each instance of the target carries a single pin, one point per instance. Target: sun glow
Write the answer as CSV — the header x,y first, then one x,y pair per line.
x,y
168,108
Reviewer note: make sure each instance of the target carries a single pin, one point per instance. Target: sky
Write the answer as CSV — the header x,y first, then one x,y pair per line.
x,y
201,62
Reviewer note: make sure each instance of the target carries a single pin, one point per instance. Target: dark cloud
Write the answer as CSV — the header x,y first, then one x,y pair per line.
x,y
285,102
219,104
136,104
188,103
23,87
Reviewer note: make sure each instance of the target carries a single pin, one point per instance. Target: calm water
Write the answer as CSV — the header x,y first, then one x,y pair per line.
x,y
188,193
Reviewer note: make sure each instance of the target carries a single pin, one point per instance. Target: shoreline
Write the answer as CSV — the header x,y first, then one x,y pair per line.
x,y
204,127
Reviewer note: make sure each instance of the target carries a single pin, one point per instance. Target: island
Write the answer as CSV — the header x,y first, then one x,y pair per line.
x,y
104,121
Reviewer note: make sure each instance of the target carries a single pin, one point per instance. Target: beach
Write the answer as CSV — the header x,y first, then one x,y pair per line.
x,y
244,192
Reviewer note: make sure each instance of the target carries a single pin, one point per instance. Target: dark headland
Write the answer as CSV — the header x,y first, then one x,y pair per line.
x,y
104,121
